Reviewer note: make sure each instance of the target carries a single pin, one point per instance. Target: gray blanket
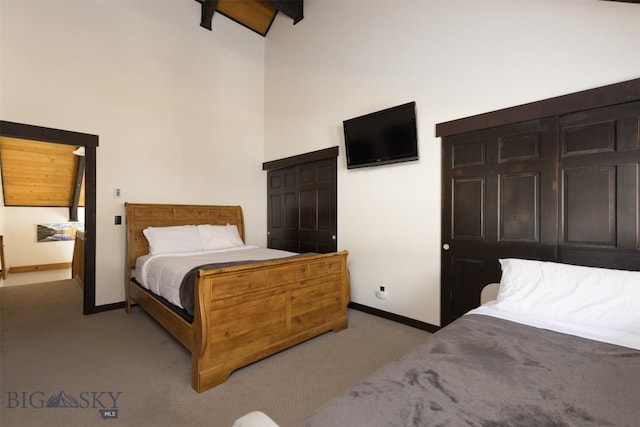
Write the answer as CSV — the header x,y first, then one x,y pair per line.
x,y
483,371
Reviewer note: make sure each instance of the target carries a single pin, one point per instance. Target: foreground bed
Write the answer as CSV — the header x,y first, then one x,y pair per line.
x,y
559,347
482,370
241,313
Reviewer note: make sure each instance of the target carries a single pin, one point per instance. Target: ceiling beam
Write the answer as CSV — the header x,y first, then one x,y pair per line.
x,y
292,8
256,15
208,9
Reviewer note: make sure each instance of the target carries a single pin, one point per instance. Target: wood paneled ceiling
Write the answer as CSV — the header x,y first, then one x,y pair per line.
x,y
36,173
257,15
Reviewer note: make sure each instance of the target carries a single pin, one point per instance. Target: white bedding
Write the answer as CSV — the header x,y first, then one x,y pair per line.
x,y
594,303
162,274
611,336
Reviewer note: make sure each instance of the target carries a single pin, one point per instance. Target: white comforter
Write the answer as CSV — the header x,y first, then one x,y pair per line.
x,y
162,274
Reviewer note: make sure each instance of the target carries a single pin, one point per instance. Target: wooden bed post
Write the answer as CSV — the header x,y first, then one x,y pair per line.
x,y
201,333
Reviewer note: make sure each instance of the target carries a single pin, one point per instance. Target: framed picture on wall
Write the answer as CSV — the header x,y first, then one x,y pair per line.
x,y
59,232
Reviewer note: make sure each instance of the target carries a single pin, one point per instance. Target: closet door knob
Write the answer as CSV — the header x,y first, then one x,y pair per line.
x,y
333,237
445,246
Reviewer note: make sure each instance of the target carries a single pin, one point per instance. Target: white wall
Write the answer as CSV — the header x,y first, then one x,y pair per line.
x,y
20,236
455,59
179,110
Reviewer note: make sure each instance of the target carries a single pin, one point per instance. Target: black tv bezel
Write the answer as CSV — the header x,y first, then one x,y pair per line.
x,y
369,163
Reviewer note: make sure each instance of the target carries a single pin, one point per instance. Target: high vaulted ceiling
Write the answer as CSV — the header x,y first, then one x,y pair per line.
x,y
36,173
257,15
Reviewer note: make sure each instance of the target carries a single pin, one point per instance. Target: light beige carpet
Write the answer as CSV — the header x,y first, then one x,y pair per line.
x,y
111,360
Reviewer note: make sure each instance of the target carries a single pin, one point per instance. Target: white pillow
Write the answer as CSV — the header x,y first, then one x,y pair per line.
x,y
179,238
581,295
219,236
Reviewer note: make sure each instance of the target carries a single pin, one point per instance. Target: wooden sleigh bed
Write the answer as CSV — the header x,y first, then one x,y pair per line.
x,y
242,313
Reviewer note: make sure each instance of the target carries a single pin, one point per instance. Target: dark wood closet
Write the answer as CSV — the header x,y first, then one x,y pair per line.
x,y
302,202
554,180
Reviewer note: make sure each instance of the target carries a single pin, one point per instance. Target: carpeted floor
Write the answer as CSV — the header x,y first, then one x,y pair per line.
x,y
87,366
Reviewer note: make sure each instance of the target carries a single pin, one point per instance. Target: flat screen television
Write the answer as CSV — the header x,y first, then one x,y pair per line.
x,y
380,138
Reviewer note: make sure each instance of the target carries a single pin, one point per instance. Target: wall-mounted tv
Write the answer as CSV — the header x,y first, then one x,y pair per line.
x,y
380,138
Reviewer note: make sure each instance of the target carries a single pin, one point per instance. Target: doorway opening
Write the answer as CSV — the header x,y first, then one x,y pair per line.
x,y
89,142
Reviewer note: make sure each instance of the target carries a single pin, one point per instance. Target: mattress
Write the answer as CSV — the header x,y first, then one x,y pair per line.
x,y
162,274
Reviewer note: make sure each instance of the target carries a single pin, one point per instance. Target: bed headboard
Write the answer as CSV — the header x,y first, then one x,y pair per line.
x,y
141,215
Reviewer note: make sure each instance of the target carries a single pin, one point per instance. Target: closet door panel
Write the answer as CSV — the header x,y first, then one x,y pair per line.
x,y
497,183
599,137
589,206
519,196
600,200
467,272
632,180
468,208
318,206
282,209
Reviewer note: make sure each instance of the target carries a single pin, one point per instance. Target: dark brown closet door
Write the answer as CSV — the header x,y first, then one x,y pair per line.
x,y
599,180
282,209
318,207
499,200
302,207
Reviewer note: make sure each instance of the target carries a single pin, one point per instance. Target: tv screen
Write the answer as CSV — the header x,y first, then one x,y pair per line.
x,y
383,137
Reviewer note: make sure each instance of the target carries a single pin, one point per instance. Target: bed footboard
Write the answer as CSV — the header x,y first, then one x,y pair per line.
x,y
244,314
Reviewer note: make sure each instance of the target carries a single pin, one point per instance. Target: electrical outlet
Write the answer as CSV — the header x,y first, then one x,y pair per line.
x,y
118,220
381,293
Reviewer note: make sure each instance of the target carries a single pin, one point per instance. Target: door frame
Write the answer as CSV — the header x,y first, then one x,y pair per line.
x,y
89,142
313,156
